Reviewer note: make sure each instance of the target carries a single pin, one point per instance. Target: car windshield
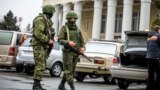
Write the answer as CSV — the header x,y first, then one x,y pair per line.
x,y
106,48
27,43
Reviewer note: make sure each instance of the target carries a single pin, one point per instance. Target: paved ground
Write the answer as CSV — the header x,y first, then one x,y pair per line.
x,y
11,80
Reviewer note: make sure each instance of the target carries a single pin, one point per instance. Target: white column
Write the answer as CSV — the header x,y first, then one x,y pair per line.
x,y
127,17
66,9
60,18
78,10
145,14
110,24
98,5
56,18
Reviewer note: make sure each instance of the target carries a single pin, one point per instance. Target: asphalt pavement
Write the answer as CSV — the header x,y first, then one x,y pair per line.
x,y
11,80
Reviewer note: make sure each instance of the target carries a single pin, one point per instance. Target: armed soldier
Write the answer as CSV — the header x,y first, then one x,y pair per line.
x,y
70,36
41,40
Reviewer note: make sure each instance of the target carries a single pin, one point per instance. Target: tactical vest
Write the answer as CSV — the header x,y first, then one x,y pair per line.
x,y
48,24
73,35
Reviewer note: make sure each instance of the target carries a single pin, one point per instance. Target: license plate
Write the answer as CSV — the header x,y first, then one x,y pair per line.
x,y
84,60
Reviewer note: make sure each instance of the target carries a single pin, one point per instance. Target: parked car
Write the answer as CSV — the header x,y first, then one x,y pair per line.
x,y
8,47
131,65
25,59
101,53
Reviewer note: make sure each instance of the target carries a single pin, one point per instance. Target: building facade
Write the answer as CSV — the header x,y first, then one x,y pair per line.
x,y
106,19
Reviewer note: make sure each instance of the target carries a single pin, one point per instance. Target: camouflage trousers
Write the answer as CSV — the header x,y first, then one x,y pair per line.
x,y
69,63
40,61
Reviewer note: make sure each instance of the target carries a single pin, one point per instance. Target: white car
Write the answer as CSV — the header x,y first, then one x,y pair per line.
x,y
101,53
131,65
25,59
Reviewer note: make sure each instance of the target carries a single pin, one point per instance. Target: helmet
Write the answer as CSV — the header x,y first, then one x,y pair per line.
x,y
48,9
71,14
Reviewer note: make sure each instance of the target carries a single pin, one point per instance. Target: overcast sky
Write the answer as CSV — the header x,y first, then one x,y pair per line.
x,y
27,9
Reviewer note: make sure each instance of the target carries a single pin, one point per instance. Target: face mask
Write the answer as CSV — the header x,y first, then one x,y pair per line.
x,y
72,20
49,15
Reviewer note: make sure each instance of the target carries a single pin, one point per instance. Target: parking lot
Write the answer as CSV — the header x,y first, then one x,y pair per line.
x,y
11,80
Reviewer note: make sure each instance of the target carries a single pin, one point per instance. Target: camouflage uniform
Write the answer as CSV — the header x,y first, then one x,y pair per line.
x,y
41,36
68,33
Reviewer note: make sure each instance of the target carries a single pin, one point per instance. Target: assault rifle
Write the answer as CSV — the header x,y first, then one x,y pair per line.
x,y
50,45
76,50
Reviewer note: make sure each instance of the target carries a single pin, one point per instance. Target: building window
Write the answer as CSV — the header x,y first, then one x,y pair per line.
x,y
118,23
103,27
135,21
87,24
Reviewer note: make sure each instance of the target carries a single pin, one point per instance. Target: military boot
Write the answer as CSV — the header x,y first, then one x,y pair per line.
x,y
62,85
37,85
72,86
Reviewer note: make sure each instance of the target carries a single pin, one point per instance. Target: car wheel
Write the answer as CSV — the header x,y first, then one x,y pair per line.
x,y
19,67
80,77
29,70
123,84
109,79
56,70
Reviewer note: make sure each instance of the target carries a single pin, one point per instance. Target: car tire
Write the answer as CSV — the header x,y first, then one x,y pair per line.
x,y
19,68
29,70
80,77
123,84
56,70
109,79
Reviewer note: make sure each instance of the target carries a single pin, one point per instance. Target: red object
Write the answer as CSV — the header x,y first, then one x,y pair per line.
x,y
115,60
99,61
20,42
12,51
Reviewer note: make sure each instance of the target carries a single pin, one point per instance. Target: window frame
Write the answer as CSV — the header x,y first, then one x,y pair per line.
x,y
118,23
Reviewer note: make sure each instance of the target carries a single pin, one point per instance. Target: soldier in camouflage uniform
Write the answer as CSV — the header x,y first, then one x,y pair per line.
x,y
41,40
70,36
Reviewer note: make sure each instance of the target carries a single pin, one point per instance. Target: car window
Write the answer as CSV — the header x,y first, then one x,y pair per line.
x,y
19,37
94,47
27,43
137,41
6,38
56,45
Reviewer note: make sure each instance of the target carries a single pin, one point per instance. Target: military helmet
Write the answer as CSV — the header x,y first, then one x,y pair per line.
x,y
71,14
48,9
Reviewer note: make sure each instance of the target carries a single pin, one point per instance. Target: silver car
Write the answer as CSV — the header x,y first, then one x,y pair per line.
x,y
25,59
131,65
